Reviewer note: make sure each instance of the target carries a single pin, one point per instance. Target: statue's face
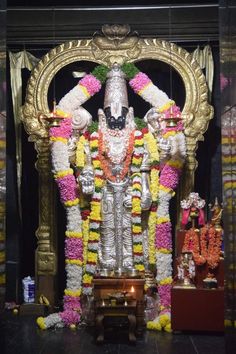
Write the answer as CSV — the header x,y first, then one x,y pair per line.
x,y
116,120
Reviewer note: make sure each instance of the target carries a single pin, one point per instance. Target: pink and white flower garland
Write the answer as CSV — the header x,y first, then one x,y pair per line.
x,y
85,89
66,182
169,178
143,86
73,243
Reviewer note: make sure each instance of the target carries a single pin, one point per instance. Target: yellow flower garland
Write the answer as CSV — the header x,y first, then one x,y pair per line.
x,y
151,144
154,184
72,292
80,156
166,106
151,237
74,261
85,230
41,323
73,234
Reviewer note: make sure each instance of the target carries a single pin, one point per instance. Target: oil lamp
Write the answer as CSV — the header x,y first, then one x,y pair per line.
x,y
172,120
53,118
132,290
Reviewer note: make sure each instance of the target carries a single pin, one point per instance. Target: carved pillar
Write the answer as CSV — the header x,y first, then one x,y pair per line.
x,y
187,179
45,257
187,182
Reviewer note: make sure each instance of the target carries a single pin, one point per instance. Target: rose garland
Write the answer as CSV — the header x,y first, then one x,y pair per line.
x,y
191,244
214,245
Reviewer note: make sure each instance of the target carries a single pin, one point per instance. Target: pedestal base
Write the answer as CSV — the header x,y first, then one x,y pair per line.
x,y
197,309
32,309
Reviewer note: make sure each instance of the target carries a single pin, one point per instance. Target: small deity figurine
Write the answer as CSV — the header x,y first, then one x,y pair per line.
x,y
109,175
186,270
192,208
216,216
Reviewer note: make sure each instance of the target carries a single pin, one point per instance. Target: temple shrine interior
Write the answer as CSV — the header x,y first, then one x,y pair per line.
x,y
117,176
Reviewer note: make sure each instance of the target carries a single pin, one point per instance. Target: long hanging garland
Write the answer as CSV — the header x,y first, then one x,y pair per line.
x,y
136,178
66,182
154,189
205,247
168,181
95,217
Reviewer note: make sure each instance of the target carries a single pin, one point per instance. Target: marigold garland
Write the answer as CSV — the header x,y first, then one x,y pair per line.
x,y
103,159
205,246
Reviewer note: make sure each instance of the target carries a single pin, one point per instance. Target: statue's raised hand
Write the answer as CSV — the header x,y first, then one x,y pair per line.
x,y
152,118
164,147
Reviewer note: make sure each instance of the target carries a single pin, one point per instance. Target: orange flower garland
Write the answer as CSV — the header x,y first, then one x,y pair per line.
x,y
105,162
211,240
205,248
191,244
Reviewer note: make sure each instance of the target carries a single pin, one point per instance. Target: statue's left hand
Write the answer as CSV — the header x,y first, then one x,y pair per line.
x,y
146,200
128,198
86,179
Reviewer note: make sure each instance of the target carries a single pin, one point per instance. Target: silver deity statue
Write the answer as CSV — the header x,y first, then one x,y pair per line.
x,y
116,123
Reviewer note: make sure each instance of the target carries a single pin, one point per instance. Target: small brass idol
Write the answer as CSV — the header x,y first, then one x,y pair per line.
x,y
186,271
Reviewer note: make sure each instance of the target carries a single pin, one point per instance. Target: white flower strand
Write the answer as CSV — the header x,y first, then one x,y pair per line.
x,y
156,97
164,268
60,156
74,220
74,276
72,100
